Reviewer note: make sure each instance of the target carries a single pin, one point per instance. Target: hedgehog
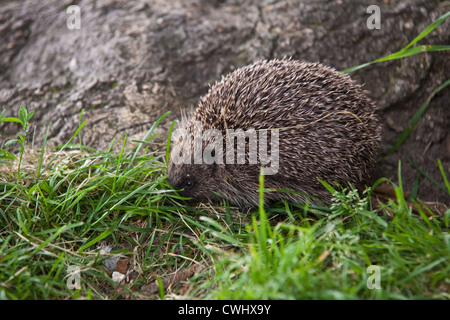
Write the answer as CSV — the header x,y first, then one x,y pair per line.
x,y
295,122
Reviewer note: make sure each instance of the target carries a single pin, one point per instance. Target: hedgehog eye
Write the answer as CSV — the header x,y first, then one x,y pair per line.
x,y
188,184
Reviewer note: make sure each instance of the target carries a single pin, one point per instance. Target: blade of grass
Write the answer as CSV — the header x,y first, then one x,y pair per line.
x,y
147,136
102,236
169,137
161,288
441,169
428,29
56,234
79,133
415,119
400,54
399,190
41,158
426,175
64,146
423,269
407,50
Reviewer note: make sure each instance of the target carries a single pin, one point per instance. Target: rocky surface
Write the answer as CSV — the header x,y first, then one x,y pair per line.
x,y
131,61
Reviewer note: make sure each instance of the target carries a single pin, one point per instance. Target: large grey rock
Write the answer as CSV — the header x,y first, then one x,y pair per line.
x,y
132,61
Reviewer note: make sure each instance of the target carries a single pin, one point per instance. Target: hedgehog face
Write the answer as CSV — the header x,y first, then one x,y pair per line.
x,y
194,181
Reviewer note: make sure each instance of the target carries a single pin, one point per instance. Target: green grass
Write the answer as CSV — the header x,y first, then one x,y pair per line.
x,y
327,256
59,207
69,202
